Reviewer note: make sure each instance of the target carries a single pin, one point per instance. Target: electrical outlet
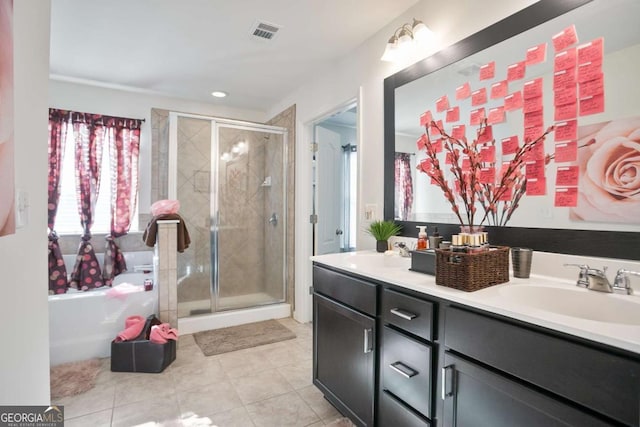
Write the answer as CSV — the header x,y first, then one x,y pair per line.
x,y
370,212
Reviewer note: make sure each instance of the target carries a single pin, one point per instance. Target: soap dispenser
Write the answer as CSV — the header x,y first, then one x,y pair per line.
x,y
435,239
422,237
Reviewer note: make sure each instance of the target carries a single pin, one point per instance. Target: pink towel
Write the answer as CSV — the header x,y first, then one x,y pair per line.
x,y
160,334
133,327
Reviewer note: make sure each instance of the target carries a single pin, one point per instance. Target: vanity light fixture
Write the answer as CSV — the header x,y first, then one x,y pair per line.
x,y
405,39
218,94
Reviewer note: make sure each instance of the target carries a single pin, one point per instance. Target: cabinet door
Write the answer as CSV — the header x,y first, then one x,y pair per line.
x,y
343,358
476,397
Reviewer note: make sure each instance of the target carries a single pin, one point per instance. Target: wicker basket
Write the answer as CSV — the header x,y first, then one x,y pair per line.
x,y
472,272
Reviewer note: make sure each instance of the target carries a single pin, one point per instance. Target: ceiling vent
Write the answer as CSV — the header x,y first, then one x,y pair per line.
x,y
264,30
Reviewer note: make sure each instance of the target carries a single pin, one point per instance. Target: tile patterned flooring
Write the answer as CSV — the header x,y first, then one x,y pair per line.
x,y
266,386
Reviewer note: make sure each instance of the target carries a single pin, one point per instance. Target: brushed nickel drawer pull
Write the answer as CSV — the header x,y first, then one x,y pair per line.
x,y
368,342
403,369
406,315
448,381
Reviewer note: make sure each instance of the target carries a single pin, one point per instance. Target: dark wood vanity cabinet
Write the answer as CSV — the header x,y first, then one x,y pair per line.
x,y
344,343
390,357
499,372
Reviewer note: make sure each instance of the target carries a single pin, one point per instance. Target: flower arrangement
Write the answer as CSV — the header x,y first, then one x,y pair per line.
x,y
475,179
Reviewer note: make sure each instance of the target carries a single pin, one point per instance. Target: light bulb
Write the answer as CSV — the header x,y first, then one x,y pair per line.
x,y
421,33
390,51
404,41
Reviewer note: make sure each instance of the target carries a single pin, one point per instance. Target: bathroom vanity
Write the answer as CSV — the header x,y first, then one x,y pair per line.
x,y
391,348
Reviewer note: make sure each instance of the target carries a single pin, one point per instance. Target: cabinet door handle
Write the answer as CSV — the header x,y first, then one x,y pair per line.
x,y
447,381
403,369
406,315
368,342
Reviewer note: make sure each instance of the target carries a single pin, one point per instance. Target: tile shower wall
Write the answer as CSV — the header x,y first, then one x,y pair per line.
x,y
272,258
287,120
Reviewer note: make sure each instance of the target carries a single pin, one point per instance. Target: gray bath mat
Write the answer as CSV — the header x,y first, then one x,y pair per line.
x,y
234,338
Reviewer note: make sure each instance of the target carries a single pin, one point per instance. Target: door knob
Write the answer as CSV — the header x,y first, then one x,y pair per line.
x,y
338,232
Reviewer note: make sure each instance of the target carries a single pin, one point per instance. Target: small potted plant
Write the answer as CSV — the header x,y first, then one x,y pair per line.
x,y
382,231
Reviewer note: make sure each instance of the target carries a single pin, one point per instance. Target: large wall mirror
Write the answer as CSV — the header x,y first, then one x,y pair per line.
x,y
597,226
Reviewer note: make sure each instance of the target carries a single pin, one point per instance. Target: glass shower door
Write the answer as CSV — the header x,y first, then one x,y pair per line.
x,y
249,230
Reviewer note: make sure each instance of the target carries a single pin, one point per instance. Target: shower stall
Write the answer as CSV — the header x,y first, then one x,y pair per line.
x,y
230,178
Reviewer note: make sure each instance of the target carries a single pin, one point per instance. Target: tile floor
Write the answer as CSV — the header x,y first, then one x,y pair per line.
x,y
266,386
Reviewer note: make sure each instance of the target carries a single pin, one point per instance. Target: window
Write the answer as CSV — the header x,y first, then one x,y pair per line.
x,y
67,218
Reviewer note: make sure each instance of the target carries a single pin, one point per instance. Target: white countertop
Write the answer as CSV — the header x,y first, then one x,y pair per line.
x,y
499,299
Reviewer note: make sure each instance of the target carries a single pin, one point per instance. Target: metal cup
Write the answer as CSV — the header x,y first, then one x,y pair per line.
x,y
521,262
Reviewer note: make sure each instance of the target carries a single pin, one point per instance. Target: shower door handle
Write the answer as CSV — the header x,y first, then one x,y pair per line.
x,y
273,220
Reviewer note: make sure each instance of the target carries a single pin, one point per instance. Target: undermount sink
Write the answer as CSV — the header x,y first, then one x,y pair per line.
x,y
576,302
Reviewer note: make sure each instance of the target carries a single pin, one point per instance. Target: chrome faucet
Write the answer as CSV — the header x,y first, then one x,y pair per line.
x,y
592,278
621,282
596,280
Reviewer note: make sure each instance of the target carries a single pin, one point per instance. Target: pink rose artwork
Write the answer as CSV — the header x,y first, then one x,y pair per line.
x,y
7,214
609,189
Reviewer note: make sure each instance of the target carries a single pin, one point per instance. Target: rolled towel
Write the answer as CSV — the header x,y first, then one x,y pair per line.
x,y
133,328
160,334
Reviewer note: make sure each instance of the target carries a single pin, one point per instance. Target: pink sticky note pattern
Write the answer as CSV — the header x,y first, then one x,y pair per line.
x,y
510,145
442,103
463,91
477,116
422,142
589,71
564,78
536,187
591,52
516,71
458,131
425,118
566,131
488,71
513,101
453,114
535,118
566,152
592,105
536,54
566,197
565,95
499,89
487,175
496,115
532,105
565,60
534,169
592,87
566,112
434,129
488,154
532,88
437,145
565,38
567,176
479,97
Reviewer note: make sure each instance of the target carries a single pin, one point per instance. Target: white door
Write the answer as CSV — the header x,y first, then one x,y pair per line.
x,y
329,194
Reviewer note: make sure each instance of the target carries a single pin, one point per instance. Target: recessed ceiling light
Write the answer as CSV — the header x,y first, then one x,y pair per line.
x,y
219,94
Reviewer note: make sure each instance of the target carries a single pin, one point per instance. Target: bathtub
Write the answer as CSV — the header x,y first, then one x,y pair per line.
x,y
83,324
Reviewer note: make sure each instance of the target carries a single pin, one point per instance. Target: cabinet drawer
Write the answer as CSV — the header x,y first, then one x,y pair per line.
x,y
393,413
411,314
406,370
603,381
348,290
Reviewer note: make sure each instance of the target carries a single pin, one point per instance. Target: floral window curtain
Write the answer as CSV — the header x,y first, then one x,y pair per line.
x,y
58,283
88,134
123,136
403,186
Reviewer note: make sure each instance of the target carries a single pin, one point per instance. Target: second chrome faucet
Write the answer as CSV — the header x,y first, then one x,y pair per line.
x,y
596,280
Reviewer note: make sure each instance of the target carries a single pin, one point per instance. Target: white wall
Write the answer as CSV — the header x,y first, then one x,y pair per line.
x,y
137,105
24,330
361,73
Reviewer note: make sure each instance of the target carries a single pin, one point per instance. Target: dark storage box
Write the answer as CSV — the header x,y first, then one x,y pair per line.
x,y
142,355
424,261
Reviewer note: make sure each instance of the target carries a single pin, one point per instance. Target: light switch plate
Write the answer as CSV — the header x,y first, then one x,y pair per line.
x,y
22,208
370,212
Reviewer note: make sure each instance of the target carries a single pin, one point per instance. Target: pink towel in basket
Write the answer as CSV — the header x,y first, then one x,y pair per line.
x,y
133,327
160,334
